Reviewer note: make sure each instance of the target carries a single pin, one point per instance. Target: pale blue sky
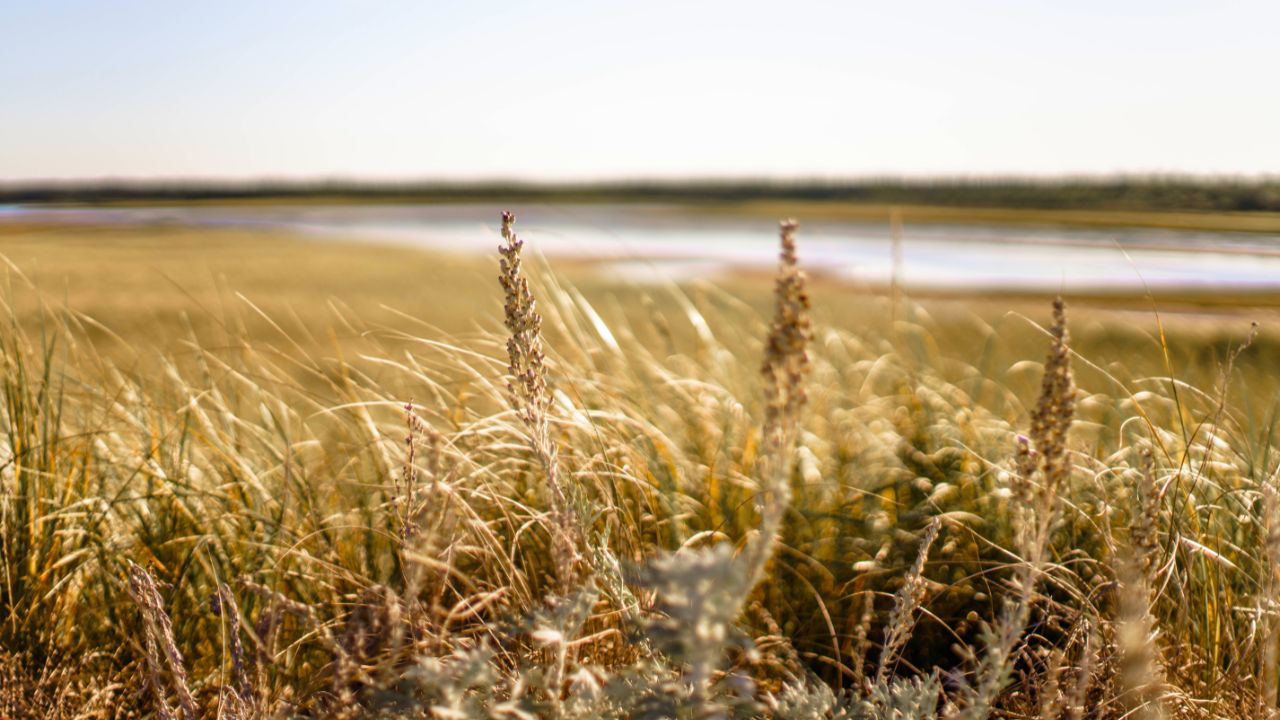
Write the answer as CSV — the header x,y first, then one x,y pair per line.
x,y
620,89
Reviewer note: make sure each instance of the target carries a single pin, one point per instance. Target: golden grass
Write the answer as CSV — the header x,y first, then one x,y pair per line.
x,y
387,561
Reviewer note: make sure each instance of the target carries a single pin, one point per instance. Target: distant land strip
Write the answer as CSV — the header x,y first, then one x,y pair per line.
x,y
1188,194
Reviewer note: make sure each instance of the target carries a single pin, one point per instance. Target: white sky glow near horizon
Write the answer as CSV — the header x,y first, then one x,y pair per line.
x,y
663,89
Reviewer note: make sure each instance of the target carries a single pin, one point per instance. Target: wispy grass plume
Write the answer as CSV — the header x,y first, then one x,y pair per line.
x,y
530,397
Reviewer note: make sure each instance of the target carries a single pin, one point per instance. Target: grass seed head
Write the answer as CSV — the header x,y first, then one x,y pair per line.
x,y
530,397
158,636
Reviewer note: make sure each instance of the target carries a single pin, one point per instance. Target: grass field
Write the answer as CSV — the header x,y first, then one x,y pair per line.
x,y
248,474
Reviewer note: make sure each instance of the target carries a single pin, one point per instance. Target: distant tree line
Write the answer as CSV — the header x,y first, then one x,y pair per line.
x,y
1083,193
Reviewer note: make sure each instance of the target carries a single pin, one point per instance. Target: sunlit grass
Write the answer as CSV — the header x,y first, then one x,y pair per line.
x,y
229,407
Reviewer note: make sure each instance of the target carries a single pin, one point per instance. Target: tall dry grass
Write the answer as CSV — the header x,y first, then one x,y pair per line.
x,y
587,513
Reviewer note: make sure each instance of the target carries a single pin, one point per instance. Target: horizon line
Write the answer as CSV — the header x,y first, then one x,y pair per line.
x,y
373,182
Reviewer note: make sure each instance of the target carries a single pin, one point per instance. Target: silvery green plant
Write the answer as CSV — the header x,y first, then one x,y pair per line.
x,y
699,598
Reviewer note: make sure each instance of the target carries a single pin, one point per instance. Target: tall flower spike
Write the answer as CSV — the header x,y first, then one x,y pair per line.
x,y
786,359
530,397
527,386
1043,465
785,368
1042,469
1057,403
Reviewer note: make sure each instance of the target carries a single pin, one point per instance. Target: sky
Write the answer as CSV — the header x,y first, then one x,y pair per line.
x,y
568,90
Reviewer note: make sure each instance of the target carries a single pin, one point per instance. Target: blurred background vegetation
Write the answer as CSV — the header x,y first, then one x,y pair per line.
x,y
1137,192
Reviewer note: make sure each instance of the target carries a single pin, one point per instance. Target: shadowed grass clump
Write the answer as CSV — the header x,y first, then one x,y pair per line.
x,y
693,511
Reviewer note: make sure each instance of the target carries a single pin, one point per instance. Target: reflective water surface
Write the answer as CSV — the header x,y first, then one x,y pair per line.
x,y
652,242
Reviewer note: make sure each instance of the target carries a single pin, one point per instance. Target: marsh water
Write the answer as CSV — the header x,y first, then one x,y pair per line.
x,y
658,243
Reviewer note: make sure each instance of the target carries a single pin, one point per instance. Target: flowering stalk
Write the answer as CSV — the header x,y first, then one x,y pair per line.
x,y
785,368
529,396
